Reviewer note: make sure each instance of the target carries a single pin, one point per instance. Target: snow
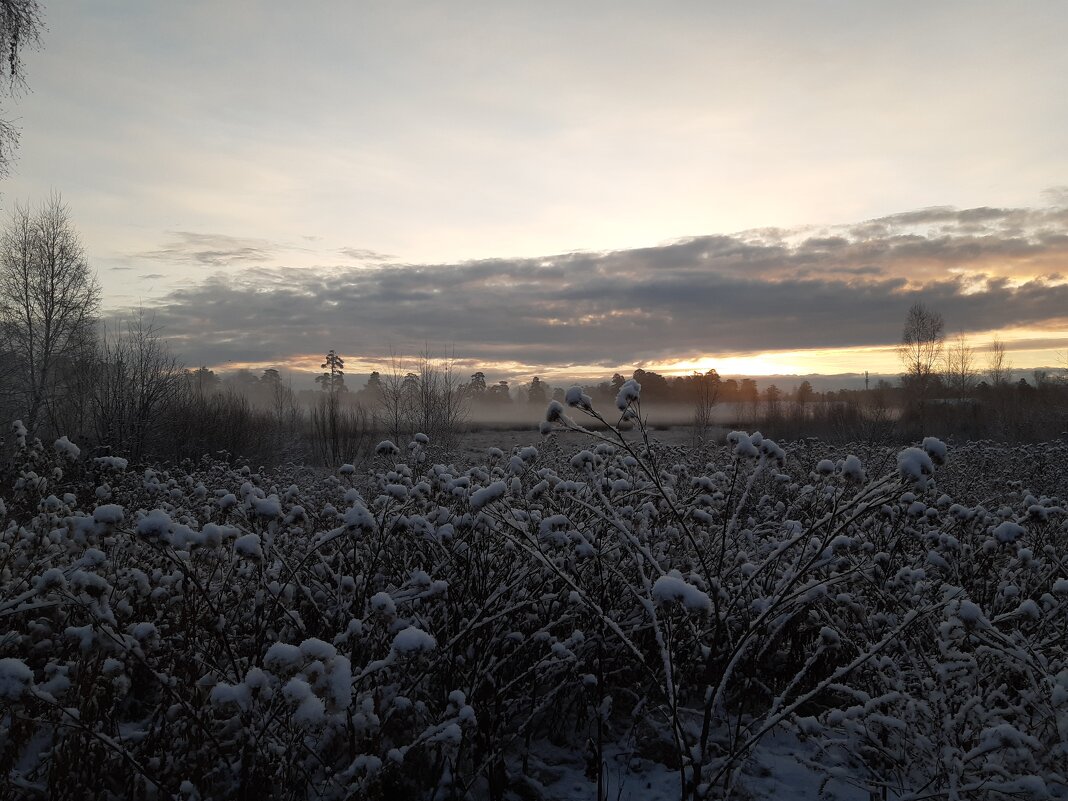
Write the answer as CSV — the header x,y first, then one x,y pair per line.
x,y
249,547
267,507
936,559
223,694
156,523
144,631
936,449
110,514
777,771
577,398
93,558
853,469
413,640
83,635
111,462
382,602
52,578
357,517
310,710
339,683
387,448
65,447
450,733
314,648
15,679
668,589
629,393
283,658
585,460
1008,532
744,445
914,465
487,495
1028,609
213,534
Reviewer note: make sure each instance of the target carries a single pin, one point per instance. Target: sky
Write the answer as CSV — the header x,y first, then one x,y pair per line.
x,y
558,188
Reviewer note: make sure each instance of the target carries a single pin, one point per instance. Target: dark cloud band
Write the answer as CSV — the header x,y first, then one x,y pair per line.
x,y
755,291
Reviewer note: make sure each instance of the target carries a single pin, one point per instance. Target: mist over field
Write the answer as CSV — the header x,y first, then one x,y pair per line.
x,y
514,402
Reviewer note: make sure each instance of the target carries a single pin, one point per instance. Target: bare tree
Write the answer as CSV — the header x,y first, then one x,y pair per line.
x,y
921,349
281,399
441,404
49,298
136,377
999,368
341,430
961,374
877,413
20,27
706,393
428,397
392,410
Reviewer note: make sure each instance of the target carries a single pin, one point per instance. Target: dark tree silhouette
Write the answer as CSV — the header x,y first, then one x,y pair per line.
x,y
537,392
333,380
921,346
49,298
476,389
20,28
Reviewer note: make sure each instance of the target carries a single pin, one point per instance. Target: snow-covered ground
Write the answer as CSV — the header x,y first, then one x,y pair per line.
x,y
777,770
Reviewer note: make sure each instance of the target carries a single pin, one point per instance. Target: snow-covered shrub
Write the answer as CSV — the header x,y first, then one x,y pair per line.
x,y
209,630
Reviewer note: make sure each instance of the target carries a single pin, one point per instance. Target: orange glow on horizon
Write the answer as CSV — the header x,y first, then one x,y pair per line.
x,y
1027,349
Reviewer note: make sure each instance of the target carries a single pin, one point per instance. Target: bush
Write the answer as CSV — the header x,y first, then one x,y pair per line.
x,y
422,630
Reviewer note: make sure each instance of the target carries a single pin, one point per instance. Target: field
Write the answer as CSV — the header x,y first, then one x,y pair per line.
x,y
594,615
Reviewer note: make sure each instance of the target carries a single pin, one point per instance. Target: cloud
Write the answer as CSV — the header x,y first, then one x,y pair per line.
x,y
1056,195
211,250
365,255
152,276
751,292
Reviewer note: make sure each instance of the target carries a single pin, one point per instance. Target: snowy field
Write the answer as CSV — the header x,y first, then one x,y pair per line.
x,y
590,616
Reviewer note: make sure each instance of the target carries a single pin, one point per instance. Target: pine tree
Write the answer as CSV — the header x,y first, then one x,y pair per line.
x,y
333,380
